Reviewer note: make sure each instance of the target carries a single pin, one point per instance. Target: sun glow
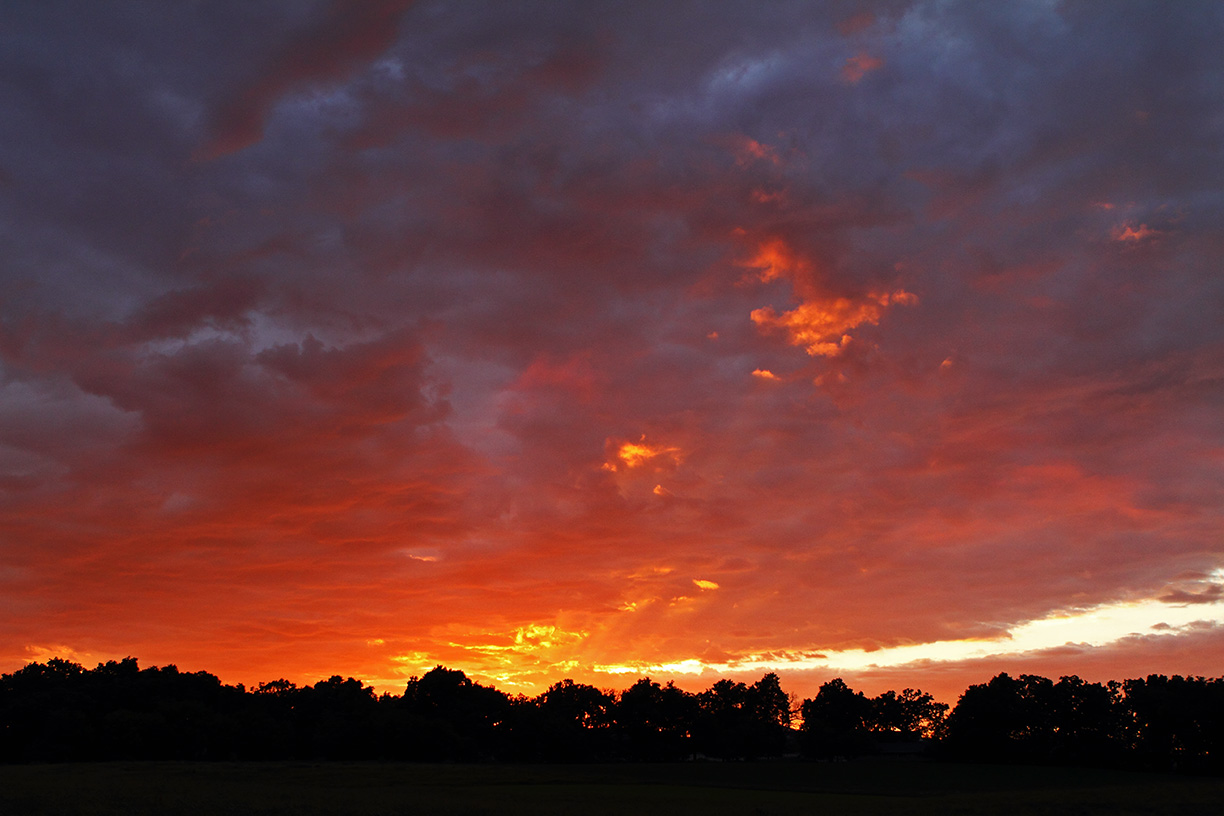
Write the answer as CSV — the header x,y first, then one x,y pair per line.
x,y
637,454
1099,626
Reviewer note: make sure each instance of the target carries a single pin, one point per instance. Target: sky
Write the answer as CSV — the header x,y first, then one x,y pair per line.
x,y
600,340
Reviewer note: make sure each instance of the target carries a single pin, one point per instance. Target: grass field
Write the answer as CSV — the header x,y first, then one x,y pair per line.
x,y
365,789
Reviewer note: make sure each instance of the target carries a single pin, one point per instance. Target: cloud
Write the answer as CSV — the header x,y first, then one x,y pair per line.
x,y
822,327
540,295
639,454
856,24
327,50
859,66
1211,594
1131,233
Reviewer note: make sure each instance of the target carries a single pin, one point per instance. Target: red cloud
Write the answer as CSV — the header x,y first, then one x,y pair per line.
x,y
242,458
856,24
859,66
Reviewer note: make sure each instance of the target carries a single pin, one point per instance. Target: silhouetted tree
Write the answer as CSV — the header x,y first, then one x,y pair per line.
x,y
656,721
1087,721
906,717
769,717
341,714
737,721
452,717
836,722
46,713
722,720
1175,722
57,711
1007,719
272,730
573,722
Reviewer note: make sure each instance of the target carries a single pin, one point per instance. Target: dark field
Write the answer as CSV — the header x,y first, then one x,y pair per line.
x,y
136,789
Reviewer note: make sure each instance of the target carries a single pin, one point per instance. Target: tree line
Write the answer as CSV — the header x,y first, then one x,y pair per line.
x,y
60,711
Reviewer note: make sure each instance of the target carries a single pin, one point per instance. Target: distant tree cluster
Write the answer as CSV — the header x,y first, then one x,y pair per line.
x,y
841,722
59,711
1158,722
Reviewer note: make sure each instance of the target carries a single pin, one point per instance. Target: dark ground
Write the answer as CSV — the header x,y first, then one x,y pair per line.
x,y
364,789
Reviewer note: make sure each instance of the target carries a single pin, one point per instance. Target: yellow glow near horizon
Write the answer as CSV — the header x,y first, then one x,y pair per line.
x,y
550,650
1099,626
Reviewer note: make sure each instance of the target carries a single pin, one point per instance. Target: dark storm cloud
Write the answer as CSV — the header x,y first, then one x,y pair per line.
x,y
332,47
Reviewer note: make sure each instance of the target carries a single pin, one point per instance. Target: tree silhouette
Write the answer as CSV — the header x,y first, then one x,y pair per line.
x,y
1087,721
737,721
769,717
836,722
656,721
573,722
1175,722
906,717
57,711
452,717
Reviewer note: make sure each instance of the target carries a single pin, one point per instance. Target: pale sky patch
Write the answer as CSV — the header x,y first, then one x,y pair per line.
x,y
1099,626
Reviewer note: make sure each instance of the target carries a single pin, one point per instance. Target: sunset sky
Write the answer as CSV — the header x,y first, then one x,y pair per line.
x,y
597,340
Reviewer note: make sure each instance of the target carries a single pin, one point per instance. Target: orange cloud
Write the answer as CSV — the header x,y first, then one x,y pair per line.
x,y
750,150
574,374
859,66
775,259
822,326
1129,233
637,454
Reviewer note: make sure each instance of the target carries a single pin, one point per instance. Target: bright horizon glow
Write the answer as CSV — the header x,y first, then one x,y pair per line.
x,y
1100,626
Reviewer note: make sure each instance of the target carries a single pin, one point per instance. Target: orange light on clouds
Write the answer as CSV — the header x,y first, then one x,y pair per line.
x,y
822,326
774,259
859,66
1129,233
465,379
750,150
637,454
819,323
760,196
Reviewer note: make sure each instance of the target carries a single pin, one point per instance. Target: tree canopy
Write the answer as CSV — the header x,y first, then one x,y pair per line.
x,y
58,710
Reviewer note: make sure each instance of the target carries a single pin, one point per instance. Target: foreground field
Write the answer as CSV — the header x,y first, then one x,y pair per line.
x,y
365,789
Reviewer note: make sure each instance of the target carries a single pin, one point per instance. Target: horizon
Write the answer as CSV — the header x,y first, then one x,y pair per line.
x,y
614,693
872,340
